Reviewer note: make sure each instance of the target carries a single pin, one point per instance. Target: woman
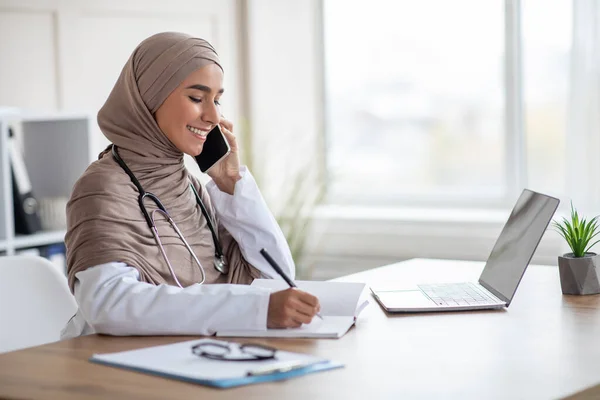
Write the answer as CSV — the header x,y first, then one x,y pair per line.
x,y
128,281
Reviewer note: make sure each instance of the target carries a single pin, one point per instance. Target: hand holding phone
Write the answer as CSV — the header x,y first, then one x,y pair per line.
x,y
215,149
220,158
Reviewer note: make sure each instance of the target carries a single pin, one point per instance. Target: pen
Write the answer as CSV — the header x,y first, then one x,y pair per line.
x,y
281,367
278,269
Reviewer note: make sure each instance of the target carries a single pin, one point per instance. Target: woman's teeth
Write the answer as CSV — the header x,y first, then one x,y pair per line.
x,y
197,131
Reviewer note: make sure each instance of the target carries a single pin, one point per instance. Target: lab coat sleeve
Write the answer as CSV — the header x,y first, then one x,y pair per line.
x,y
248,219
113,301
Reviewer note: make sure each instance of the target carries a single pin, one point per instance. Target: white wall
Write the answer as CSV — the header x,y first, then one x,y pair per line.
x,y
285,92
67,54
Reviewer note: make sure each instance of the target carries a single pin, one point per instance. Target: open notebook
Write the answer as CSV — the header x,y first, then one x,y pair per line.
x,y
339,308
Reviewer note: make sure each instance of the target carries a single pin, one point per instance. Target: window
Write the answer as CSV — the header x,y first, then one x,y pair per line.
x,y
424,100
546,28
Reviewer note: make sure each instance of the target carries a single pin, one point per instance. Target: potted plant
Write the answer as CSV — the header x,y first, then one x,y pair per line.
x,y
578,269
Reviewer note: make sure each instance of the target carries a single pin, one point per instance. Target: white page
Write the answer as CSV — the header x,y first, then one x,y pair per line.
x,y
336,298
178,359
330,327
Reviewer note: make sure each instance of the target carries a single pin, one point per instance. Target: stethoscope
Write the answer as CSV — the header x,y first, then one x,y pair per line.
x,y
219,261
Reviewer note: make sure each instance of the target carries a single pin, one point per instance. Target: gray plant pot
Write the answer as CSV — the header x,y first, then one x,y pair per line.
x,y
579,275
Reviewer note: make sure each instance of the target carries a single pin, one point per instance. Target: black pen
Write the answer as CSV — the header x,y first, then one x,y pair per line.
x,y
278,269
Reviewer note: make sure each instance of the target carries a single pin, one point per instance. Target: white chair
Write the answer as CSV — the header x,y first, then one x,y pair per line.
x,y
35,302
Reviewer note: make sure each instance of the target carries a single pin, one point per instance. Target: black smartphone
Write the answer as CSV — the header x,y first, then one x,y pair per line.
x,y
215,148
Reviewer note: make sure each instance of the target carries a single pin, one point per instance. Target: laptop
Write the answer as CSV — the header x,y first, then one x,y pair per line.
x,y
503,270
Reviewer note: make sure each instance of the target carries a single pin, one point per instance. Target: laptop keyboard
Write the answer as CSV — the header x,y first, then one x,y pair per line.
x,y
457,294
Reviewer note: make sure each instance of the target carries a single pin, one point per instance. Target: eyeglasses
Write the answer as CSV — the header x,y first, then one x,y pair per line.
x,y
243,352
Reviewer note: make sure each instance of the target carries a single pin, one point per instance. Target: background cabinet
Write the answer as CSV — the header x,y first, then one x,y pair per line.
x,y
56,148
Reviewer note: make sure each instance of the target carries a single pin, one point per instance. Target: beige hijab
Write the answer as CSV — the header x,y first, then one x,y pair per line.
x,y
104,220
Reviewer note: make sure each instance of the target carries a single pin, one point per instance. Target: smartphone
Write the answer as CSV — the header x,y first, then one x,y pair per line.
x,y
215,149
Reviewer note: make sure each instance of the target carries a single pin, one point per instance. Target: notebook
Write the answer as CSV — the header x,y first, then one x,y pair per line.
x,y
177,361
339,309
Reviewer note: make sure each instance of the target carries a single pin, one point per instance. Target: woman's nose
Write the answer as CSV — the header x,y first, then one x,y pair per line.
x,y
212,114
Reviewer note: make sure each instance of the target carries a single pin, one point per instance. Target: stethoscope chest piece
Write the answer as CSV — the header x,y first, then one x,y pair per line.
x,y
221,265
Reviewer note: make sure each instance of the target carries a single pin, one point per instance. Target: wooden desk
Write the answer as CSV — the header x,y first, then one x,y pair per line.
x,y
545,346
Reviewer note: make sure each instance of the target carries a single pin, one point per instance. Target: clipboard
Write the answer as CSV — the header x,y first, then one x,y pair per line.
x,y
176,361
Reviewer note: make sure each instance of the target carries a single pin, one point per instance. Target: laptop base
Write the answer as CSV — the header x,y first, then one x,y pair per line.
x,y
407,301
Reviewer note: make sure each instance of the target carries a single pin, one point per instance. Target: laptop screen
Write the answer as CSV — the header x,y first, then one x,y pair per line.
x,y
517,243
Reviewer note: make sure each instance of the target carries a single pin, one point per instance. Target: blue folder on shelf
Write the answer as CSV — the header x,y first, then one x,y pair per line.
x,y
177,361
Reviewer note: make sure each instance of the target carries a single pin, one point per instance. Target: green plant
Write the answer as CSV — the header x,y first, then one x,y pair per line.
x,y
295,218
301,194
578,232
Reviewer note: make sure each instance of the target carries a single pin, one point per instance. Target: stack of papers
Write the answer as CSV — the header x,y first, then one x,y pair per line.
x,y
339,308
178,362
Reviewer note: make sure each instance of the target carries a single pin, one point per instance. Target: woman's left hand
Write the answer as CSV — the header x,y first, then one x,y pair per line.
x,y
226,172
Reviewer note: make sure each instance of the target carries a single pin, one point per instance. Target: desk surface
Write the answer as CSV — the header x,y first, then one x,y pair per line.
x,y
544,346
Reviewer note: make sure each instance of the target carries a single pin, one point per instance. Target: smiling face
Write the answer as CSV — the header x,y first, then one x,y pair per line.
x,y
192,109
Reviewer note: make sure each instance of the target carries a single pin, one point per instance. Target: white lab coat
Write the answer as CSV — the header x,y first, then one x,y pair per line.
x,y
113,301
